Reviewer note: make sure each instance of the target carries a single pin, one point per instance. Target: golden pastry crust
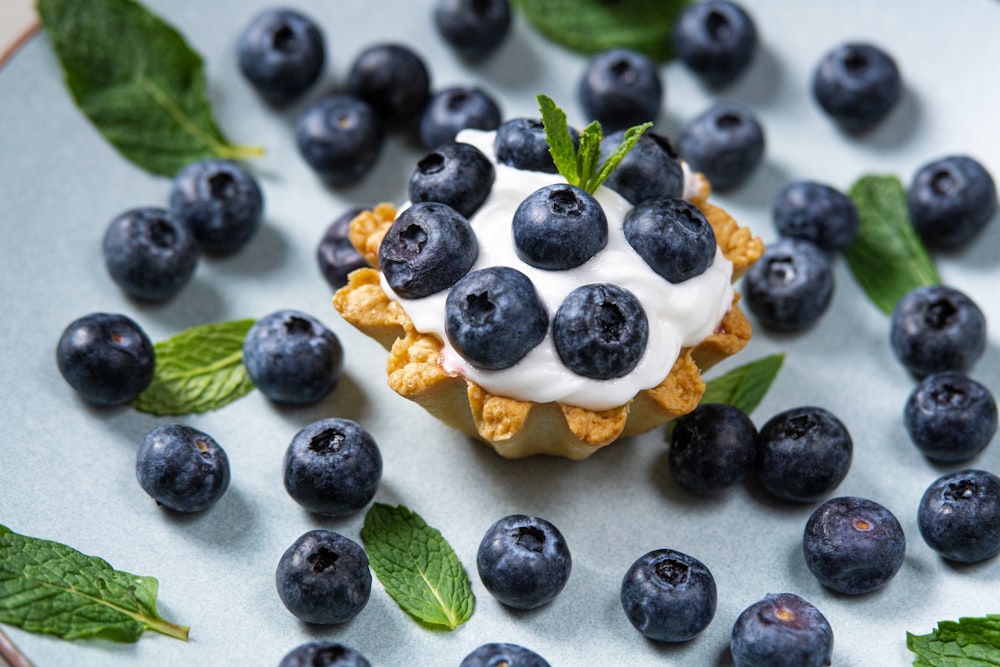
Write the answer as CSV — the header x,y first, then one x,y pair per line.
x,y
515,428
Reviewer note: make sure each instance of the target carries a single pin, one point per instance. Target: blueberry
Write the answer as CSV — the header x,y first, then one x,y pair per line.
x,y
950,200
149,253
959,515
323,578
716,40
937,328
503,654
427,249
494,317
790,286
340,138
620,88
672,236
281,53
107,358
712,448
853,545
456,174
726,143
332,467
336,255
393,80
803,454
292,357
668,596
559,227
600,331
220,202
473,28
857,84
523,561
650,169
452,110
522,143
817,213
182,468
323,653
782,630
950,417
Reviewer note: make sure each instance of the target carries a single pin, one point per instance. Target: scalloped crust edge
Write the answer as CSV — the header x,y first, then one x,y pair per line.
x,y
514,428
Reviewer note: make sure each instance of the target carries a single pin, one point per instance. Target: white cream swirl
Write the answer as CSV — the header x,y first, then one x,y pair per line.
x,y
680,315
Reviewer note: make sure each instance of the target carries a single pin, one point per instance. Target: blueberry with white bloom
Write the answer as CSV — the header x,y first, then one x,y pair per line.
x,y
781,630
456,174
281,53
150,253
672,236
790,286
182,468
494,317
950,417
559,227
950,200
600,331
220,201
937,328
340,138
959,515
726,143
857,84
650,169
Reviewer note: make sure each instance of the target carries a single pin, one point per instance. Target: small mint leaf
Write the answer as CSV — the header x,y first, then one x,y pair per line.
x,y
50,588
628,143
417,567
588,154
197,370
744,387
969,642
559,140
887,257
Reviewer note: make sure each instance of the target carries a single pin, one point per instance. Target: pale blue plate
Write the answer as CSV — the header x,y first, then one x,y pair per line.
x,y
66,470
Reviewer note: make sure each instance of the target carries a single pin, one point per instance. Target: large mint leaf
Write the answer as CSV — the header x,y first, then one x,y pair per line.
x,y
968,642
417,567
136,79
887,257
197,370
50,588
590,26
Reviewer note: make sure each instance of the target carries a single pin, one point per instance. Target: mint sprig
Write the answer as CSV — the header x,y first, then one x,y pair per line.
x,y
136,79
582,167
968,642
198,370
417,567
887,257
50,588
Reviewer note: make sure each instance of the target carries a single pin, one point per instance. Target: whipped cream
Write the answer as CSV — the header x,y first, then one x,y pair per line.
x,y
680,315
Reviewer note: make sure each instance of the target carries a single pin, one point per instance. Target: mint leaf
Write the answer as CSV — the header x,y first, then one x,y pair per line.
x,y
558,137
50,588
589,26
198,370
136,79
628,142
417,566
744,387
887,257
579,166
969,642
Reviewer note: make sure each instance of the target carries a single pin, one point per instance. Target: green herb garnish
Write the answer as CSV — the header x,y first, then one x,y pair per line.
x,y
887,257
744,387
580,167
418,567
50,588
136,79
589,26
197,370
968,642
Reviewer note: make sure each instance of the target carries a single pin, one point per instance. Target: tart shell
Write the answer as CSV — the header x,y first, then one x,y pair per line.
x,y
515,428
